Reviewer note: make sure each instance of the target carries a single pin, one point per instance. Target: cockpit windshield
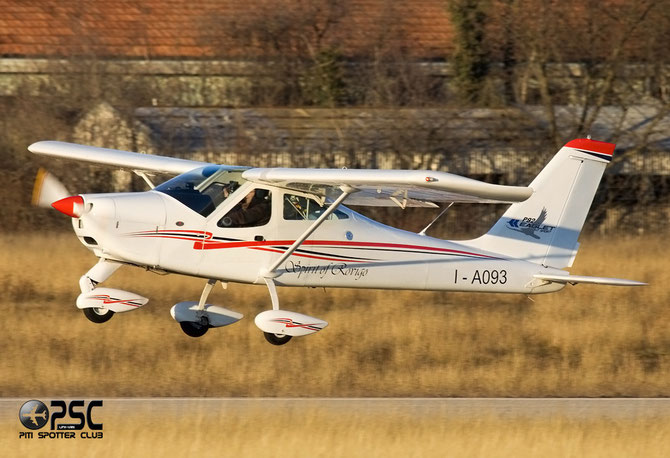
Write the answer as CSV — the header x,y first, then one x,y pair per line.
x,y
203,189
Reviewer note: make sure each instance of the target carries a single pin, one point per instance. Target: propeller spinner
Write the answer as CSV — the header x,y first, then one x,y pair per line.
x,y
71,206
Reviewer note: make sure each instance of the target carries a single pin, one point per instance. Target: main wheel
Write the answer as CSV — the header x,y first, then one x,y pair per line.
x,y
276,339
98,315
193,329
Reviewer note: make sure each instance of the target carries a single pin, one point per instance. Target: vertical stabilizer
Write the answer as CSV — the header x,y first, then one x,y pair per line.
x,y
544,228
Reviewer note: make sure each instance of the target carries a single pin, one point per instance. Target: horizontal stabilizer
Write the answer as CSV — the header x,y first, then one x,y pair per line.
x,y
574,279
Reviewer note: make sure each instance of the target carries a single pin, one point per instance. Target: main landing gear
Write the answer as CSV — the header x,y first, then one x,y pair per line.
x,y
279,326
195,318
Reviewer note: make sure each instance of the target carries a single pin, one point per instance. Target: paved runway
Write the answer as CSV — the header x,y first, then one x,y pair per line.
x,y
577,408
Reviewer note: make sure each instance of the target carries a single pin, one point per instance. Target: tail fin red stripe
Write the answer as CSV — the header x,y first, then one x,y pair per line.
x,y
592,145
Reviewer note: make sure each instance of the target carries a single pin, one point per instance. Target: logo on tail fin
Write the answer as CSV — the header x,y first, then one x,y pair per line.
x,y
529,226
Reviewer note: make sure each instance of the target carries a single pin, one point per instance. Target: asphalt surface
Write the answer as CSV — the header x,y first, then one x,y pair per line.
x,y
578,408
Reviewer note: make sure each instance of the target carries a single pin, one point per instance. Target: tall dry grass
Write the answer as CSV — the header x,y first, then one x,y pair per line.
x,y
313,432
583,341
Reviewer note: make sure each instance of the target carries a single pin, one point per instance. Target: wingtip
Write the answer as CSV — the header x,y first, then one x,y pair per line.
x,y
42,146
33,147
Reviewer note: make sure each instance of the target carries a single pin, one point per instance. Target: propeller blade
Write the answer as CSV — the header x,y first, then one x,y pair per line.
x,y
47,189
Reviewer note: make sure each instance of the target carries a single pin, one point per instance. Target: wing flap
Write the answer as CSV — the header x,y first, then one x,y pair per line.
x,y
574,279
390,187
113,157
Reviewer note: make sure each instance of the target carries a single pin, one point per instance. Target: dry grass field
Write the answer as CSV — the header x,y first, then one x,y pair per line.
x,y
317,433
582,341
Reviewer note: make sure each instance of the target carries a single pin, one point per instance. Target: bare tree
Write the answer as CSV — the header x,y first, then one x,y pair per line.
x,y
579,54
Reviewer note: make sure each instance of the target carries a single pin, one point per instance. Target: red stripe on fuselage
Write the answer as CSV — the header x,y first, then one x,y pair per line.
x,y
214,245
266,245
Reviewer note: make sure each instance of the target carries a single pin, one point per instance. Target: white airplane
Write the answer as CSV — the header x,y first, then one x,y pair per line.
x,y
288,227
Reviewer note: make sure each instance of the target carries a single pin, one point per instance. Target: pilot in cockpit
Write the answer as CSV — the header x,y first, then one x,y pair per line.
x,y
253,210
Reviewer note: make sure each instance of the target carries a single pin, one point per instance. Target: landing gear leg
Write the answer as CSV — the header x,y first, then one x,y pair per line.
x,y
274,339
97,274
279,326
87,283
274,297
199,328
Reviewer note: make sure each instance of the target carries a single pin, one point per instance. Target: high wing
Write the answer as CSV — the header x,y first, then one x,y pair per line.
x,y
124,159
405,188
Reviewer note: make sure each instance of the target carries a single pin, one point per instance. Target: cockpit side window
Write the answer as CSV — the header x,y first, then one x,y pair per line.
x,y
203,189
252,211
303,208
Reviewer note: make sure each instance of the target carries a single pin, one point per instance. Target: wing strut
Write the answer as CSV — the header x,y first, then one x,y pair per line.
x,y
145,177
423,231
272,271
